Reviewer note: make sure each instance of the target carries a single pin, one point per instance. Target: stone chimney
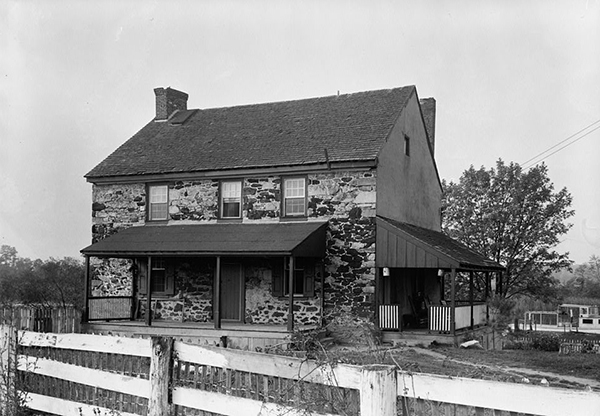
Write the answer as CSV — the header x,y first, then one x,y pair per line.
x,y
167,101
428,111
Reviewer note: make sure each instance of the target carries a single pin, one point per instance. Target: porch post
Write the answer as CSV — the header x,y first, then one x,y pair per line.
x,y
453,302
471,297
487,294
217,295
290,318
378,297
86,294
149,293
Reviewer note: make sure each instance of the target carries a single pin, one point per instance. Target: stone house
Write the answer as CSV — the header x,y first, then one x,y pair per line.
x,y
245,223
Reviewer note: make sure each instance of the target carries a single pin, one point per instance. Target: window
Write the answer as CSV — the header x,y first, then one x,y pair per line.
x,y
587,321
406,145
303,285
158,207
159,275
163,276
231,199
294,197
298,284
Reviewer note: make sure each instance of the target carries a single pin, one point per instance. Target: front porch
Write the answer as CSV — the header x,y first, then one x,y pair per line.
x,y
244,286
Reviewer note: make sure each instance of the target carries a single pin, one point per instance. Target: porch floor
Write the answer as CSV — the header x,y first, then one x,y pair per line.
x,y
231,334
414,337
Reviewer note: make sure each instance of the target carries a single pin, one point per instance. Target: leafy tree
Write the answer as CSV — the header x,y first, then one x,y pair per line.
x,y
585,283
514,217
38,282
8,255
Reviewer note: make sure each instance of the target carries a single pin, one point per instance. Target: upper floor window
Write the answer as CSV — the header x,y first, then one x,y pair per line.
x,y
231,199
158,207
294,197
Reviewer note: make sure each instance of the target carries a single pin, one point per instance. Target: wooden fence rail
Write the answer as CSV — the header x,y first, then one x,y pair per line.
x,y
80,374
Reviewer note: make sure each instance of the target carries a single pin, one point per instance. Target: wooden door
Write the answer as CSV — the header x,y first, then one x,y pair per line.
x,y
232,292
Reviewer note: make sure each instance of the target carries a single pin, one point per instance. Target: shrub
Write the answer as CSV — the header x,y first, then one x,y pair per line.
x,y
545,342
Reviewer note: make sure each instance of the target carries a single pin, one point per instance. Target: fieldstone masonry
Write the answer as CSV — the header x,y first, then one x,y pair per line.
x,y
346,199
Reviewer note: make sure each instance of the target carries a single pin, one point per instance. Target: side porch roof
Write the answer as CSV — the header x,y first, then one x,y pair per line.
x,y
302,239
408,246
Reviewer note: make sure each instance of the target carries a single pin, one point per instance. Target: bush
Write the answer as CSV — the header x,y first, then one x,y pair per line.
x,y
545,342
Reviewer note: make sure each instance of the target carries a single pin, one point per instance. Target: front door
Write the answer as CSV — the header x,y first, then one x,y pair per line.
x,y
232,292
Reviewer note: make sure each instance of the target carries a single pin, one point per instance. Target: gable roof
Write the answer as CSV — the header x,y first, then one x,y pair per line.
x,y
339,128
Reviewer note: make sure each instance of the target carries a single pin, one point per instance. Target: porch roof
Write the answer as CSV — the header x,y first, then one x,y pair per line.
x,y
408,246
302,239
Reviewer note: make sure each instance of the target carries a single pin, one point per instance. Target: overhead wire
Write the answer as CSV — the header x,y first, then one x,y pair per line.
x,y
524,165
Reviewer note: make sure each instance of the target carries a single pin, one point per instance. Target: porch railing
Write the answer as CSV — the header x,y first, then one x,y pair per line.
x,y
110,307
389,316
439,317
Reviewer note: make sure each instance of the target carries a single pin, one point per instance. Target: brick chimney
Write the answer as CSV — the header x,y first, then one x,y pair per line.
x,y
167,101
428,111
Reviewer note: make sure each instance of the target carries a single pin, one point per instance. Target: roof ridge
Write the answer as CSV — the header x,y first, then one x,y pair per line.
x,y
306,98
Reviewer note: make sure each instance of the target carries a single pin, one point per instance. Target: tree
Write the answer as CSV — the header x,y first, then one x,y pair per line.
x,y
38,282
585,283
512,216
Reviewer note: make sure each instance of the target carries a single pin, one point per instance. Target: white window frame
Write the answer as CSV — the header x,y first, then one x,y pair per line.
x,y
232,196
293,193
156,199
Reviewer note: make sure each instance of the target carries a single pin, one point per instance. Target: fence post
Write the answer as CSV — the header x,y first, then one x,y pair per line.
x,y
8,354
160,376
378,390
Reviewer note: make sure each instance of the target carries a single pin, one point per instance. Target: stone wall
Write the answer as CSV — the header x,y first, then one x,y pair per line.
x,y
115,207
195,201
111,277
346,199
263,308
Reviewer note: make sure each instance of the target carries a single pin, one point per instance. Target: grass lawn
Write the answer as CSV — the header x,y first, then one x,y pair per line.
x,y
575,371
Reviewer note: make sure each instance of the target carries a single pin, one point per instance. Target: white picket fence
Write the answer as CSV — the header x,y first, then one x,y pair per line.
x,y
256,377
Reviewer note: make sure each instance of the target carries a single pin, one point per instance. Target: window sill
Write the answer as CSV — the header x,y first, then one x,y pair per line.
x,y
229,221
294,219
297,297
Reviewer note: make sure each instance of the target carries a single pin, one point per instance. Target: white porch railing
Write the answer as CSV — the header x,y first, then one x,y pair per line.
x,y
389,316
439,317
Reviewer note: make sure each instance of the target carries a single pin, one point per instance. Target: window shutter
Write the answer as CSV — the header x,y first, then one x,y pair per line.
x,y
309,279
170,278
142,265
277,277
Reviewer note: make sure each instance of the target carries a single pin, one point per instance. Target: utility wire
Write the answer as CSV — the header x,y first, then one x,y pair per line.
x,y
561,142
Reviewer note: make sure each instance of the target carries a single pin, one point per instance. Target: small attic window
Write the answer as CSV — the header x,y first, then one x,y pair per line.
x,y
406,145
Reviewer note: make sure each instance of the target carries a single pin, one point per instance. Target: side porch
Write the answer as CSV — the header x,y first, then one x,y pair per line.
x,y
429,286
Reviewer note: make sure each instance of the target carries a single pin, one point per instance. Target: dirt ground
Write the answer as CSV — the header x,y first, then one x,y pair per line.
x,y
574,371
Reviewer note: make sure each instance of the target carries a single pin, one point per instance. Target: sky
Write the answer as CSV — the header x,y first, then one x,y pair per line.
x,y
511,79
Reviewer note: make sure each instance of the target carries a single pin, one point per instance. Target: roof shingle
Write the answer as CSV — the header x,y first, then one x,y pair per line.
x,y
352,127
